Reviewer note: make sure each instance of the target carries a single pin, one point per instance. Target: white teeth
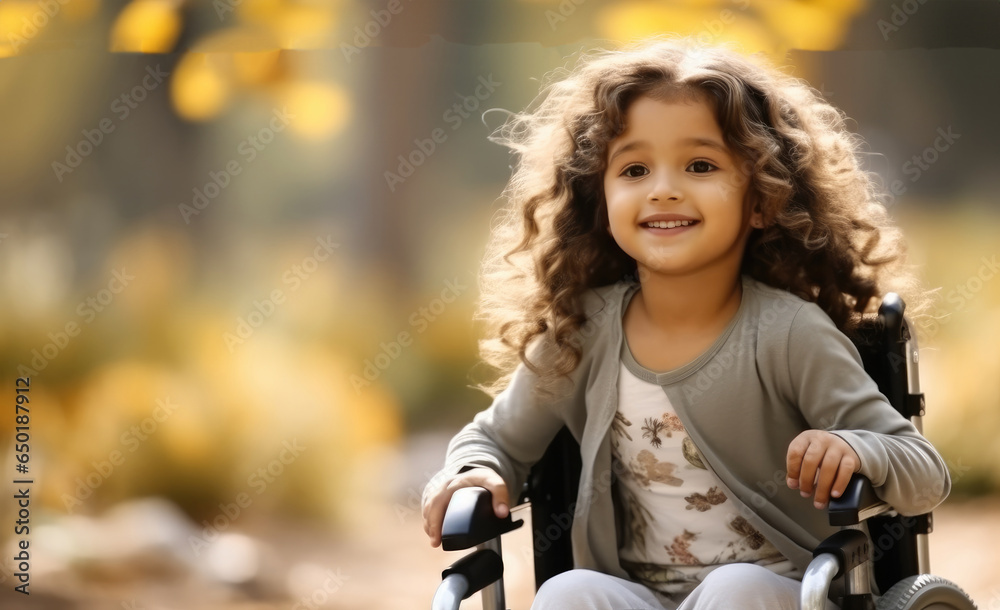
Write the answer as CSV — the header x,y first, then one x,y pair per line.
x,y
668,224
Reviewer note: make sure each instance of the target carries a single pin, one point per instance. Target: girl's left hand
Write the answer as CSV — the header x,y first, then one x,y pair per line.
x,y
821,462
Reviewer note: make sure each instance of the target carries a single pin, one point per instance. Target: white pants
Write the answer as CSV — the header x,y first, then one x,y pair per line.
x,y
732,586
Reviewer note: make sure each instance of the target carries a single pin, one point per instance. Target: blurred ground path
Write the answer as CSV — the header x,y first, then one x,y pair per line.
x,y
965,548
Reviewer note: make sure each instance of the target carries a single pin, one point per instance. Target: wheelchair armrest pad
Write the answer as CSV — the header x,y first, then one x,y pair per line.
x,y
470,520
857,503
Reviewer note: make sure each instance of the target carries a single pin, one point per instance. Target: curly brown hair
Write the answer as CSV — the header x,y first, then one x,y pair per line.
x,y
826,236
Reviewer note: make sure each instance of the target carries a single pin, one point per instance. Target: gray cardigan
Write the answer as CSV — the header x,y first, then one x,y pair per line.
x,y
780,367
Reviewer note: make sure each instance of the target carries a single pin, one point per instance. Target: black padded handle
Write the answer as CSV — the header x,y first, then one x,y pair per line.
x,y
470,520
857,503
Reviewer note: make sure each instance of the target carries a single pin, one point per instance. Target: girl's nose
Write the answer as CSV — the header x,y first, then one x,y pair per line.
x,y
664,188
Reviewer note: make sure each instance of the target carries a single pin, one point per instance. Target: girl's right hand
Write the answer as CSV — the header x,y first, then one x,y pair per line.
x,y
436,500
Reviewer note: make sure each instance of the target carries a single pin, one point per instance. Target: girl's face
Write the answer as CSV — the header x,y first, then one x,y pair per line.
x,y
675,193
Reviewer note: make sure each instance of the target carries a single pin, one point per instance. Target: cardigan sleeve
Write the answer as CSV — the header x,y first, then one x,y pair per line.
x,y
835,393
510,435
514,432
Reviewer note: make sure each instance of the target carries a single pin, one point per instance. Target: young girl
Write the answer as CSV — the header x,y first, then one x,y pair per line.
x,y
689,236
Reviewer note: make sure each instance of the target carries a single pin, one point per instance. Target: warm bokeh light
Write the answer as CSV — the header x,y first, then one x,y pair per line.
x,y
297,25
769,27
803,25
147,26
320,109
25,22
256,67
201,85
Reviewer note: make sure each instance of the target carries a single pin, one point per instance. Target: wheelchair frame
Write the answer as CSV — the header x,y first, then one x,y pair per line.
x,y
890,356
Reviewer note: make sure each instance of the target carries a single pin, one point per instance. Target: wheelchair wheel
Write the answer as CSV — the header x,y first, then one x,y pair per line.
x,y
925,592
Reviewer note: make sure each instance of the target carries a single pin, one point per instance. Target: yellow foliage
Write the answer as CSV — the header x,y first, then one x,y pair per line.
x,y
112,398
188,436
161,259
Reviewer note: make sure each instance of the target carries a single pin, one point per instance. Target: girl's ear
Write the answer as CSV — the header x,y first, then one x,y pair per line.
x,y
756,216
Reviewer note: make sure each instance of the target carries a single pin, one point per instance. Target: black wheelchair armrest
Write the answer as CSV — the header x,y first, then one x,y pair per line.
x,y
470,521
857,503
845,552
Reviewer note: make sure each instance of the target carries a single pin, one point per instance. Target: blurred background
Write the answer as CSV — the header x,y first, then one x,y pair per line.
x,y
238,251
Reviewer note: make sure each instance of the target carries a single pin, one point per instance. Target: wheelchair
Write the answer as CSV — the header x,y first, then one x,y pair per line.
x,y
893,550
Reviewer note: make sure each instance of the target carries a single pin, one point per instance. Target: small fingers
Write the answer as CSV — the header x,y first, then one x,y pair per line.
x,y
828,472
501,501
433,511
810,468
793,460
820,463
436,503
848,466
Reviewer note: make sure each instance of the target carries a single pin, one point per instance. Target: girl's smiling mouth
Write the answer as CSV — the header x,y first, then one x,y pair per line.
x,y
668,223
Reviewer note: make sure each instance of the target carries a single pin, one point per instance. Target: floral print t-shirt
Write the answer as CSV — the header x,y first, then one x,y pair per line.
x,y
680,523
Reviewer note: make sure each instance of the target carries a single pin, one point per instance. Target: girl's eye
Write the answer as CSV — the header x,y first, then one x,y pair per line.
x,y
701,167
634,171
